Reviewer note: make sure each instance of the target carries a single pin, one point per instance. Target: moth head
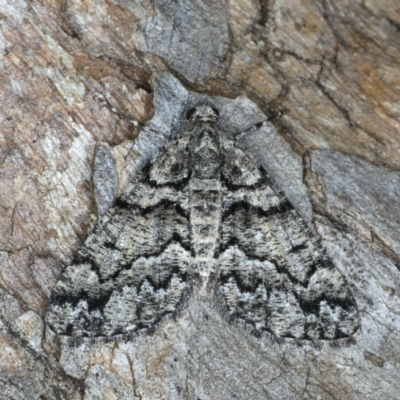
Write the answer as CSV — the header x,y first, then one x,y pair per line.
x,y
203,113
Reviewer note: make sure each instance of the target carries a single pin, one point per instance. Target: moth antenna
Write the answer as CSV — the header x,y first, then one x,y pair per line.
x,y
101,99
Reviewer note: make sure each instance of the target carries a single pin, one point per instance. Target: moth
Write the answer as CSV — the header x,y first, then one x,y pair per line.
x,y
205,221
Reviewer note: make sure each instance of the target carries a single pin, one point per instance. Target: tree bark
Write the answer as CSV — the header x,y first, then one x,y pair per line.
x,y
326,74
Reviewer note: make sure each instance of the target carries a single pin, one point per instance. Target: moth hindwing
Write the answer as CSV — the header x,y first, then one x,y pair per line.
x,y
204,221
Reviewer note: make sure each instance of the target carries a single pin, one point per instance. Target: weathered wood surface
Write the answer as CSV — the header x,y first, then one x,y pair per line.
x,y
327,76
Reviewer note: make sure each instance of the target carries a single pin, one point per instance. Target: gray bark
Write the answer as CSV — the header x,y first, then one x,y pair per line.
x,y
326,77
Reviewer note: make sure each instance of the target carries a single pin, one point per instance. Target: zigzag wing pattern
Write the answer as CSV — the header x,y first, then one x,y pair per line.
x,y
274,277
134,269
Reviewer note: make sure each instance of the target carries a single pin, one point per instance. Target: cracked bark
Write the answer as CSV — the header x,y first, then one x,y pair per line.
x,y
327,76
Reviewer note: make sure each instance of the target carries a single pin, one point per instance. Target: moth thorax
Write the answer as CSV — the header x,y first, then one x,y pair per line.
x,y
207,163
205,153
